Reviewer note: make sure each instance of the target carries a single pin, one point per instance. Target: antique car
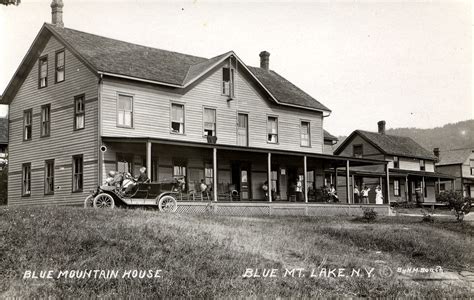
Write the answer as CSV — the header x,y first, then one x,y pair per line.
x,y
162,194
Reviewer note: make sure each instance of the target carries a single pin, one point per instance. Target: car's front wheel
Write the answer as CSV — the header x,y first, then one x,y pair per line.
x,y
104,200
167,204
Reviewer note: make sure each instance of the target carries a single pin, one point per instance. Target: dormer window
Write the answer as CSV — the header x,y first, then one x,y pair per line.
x,y
43,72
60,66
422,165
228,82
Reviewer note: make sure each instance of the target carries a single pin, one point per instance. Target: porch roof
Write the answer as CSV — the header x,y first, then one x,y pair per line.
x,y
337,160
402,173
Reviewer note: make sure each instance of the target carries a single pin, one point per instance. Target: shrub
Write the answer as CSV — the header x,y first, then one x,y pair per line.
x,y
427,217
369,214
460,205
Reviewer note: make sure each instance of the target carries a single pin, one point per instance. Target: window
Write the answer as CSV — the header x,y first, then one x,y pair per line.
x,y
305,134
45,120
228,82
396,187
124,163
396,162
79,112
422,165
43,72
60,61
125,111
208,174
272,130
310,180
77,173
442,187
26,182
357,150
49,177
471,164
209,122
177,118
27,124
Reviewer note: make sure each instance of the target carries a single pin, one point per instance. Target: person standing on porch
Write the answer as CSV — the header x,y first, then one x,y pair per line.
x,y
299,189
356,194
365,194
378,195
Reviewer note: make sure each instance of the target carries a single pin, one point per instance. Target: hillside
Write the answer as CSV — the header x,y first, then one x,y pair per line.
x,y
450,136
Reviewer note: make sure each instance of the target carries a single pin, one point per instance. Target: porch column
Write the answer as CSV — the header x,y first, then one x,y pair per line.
x,y
305,170
269,176
348,186
453,185
406,188
439,185
148,159
335,178
423,188
387,188
353,186
214,170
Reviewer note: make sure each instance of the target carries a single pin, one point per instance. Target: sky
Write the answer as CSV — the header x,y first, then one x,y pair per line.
x,y
406,62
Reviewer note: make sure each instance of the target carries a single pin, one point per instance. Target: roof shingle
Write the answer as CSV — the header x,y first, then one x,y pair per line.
x,y
451,157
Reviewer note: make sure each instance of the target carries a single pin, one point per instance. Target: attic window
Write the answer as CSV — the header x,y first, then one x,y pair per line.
x,y
43,72
357,150
228,82
60,66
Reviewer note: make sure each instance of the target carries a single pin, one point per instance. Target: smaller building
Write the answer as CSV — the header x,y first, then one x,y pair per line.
x,y
460,164
330,142
3,142
411,168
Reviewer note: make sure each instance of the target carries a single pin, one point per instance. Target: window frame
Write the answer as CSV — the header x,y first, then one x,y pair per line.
x,y
422,165
74,189
183,105
23,173
396,162
47,184
30,125
40,60
63,51
471,166
354,154
131,111
208,166
396,187
83,113
203,120
277,130
309,133
45,132
231,93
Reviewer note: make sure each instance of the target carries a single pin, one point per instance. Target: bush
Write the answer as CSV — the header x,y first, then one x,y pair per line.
x,y
460,205
427,217
369,214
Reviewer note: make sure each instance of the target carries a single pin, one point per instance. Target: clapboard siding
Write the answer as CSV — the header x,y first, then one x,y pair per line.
x,y
64,141
152,114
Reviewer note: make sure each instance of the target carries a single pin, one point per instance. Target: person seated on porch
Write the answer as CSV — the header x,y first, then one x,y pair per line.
x,y
181,184
365,194
142,178
333,194
378,195
204,189
265,189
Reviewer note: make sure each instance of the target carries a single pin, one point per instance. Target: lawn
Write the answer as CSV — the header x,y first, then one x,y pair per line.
x,y
207,256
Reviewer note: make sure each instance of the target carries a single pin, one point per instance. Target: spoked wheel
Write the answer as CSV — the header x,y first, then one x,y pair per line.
x,y
89,202
167,204
104,201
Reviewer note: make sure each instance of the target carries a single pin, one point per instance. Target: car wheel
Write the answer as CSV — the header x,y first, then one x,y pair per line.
x,y
167,204
104,201
89,202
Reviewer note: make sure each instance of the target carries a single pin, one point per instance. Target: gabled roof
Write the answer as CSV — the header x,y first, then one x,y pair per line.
x,y
390,145
112,57
454,157
3,131
329,137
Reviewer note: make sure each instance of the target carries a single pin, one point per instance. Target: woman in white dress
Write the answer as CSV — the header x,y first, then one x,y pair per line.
x,y
378,195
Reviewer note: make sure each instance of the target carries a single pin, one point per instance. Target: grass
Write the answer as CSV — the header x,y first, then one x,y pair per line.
x,y
206,256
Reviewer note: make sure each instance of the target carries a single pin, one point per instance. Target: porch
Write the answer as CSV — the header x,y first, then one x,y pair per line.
x,y
238,174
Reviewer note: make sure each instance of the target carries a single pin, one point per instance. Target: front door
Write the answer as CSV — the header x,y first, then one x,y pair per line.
x,y
242,130
244,182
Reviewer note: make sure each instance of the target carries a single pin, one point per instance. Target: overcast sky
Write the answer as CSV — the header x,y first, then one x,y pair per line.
x,y
405,62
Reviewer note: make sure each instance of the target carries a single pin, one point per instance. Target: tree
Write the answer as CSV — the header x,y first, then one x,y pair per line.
x,y
460,205
10,2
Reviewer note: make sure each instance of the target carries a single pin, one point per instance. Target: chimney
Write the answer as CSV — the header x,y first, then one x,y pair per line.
x,y
265,60
436,152
57,13
381,127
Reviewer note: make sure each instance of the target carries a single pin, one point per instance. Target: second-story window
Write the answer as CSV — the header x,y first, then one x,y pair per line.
x,y
305,134
177,118
422,165
209,122
272,130
43,72
125,111
358,150
60,62
79,112
45,120
27,124
396,162
228,82
49,177
471,164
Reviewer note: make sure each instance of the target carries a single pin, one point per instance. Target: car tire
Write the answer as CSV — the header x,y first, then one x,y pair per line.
x,y
104,200
168,204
